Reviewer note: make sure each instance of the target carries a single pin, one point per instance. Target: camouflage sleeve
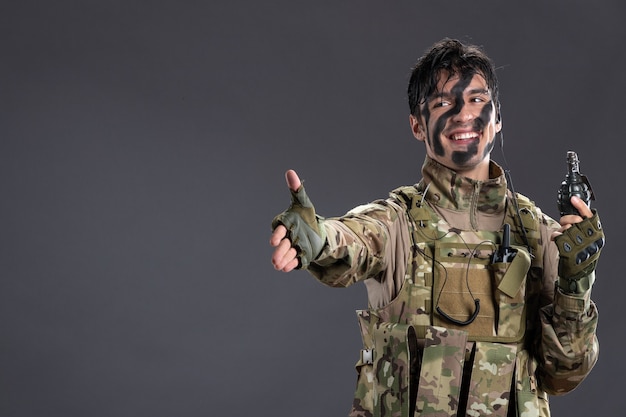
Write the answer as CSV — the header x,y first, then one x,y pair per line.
x,y
568,347
370,241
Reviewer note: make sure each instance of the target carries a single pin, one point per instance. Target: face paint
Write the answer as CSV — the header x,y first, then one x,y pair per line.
x,y
459,123
462,158
483,119
457,92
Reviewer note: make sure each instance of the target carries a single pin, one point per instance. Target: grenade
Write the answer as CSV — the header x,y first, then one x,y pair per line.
x,y
574,184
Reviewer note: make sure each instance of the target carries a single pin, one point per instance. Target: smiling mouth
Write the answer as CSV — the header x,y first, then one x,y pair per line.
x,y
464,136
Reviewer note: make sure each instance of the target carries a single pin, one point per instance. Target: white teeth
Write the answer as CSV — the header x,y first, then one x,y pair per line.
x,y
461,136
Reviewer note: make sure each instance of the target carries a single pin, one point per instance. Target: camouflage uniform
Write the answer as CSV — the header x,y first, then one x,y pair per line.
x,y
426,249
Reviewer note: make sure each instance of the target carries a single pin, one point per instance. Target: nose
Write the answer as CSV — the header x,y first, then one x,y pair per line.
x,y
464,114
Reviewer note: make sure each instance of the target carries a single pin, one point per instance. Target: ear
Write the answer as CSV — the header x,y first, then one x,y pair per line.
x,y
498,118
417,128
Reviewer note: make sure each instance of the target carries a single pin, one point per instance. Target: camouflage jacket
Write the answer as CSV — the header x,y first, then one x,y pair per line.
x,y
375,243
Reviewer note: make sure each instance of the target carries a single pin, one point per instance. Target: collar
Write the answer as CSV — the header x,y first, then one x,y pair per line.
x,y
448,190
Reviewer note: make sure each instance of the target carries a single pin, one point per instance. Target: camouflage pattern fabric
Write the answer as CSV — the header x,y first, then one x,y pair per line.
x,y
509,292
531,401
441,372
385,386
389,244
492,370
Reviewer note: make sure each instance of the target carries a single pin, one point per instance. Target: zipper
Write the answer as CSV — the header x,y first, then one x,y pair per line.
x,y
474,205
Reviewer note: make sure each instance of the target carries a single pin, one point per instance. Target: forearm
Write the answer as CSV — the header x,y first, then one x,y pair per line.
x,y
347,257
569,345
564,343
365,243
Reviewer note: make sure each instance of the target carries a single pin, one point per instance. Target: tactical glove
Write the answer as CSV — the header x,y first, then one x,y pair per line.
x,y
303,227
579,249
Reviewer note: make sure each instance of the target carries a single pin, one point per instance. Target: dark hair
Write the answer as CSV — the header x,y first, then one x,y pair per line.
x,y
454,57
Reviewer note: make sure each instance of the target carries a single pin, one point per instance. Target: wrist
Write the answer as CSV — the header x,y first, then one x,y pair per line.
x,y
570,304
577,286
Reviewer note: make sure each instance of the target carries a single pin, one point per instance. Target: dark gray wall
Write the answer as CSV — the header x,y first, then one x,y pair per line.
x,y
142,152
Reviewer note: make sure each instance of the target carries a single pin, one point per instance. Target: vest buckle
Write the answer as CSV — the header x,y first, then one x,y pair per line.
x,y
367,356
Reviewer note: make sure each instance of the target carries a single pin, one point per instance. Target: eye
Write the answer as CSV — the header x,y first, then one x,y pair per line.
x,y
441,103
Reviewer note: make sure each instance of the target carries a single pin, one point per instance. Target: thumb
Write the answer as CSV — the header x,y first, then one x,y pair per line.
x,y
581,206
293,181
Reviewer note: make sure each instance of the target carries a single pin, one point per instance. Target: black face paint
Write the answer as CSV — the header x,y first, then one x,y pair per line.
x,y
426,115
457,92
435,140
485,116
489,148
461,158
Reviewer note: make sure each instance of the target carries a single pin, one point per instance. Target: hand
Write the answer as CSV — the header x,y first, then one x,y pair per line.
x,y
568,220
285,257
579,240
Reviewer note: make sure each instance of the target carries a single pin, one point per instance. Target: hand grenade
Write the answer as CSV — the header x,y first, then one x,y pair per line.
x,y
575,184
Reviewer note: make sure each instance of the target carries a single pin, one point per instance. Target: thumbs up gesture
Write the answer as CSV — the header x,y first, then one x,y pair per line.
x,y
297,235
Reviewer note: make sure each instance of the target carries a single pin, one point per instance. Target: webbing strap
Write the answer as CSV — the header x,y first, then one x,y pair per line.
x,y
393,354
490,383
441,372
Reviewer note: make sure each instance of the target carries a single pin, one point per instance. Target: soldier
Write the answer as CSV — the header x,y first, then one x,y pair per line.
x,y
478,302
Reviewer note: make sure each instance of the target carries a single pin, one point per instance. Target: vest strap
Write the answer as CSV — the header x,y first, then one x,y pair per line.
x,y
392,359
441,372
490,383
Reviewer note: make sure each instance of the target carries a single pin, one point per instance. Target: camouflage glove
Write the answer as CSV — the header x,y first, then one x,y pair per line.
x,y
579,249
303,227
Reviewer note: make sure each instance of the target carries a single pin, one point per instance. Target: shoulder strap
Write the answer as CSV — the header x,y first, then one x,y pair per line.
x,y
524,216
412,197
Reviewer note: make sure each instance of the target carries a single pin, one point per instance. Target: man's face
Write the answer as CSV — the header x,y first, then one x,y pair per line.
x,y
458,124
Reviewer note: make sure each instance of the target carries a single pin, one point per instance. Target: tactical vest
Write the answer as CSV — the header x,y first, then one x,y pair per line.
x,y
425,354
